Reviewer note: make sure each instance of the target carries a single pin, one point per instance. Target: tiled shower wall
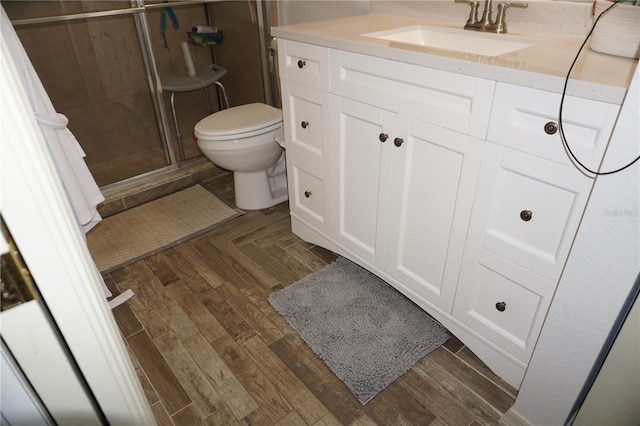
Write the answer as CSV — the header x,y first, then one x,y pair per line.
x,y
239,52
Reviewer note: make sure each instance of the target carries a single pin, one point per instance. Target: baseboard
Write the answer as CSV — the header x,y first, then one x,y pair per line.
x,y
513,418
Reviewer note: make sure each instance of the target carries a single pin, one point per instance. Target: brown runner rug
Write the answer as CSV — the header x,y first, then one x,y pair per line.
x,y
142,231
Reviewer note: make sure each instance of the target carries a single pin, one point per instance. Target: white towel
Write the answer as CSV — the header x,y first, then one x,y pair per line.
x,y
82,191
68,156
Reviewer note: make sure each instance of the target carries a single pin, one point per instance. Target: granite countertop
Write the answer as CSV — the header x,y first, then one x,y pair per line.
x,y
542,66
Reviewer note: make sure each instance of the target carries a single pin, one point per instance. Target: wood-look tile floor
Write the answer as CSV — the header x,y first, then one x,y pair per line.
x,y
209,349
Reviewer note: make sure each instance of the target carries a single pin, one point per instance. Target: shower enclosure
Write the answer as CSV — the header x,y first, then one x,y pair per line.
x,y
102,64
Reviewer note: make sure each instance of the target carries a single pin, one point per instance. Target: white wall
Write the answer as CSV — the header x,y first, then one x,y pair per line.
x,y
601,269
296,11
615,395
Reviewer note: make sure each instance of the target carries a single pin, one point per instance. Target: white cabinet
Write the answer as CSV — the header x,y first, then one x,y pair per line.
x,y
432,186
445,185
360,187
519,115
528,206
403,189
303,71
453,101
502,302
530,209
303,63
405,173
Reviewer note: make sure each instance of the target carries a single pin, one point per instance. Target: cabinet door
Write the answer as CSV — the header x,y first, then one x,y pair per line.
x,y
361,182
519,115
502,302
306,126
306,197
528,209
303,63
451,100
433,182
305,129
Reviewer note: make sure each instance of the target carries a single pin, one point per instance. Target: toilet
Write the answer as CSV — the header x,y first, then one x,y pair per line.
x,y
244,140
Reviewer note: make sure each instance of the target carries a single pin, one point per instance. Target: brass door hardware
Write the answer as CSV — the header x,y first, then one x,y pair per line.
x,y
15,280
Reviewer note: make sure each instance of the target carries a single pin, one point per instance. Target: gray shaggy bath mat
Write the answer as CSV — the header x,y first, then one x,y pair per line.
x,y
365,331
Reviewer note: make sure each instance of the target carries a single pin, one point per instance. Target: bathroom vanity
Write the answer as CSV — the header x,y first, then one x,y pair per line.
x,y
443,171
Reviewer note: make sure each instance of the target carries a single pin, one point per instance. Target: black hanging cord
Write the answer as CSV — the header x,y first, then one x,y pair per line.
x,y
564,91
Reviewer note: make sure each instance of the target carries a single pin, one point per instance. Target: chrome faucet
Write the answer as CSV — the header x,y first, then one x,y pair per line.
x,y
486,23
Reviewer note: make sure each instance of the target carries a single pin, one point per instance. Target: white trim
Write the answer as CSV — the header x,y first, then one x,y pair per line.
x,y
19,402
513,418
38,214
28,334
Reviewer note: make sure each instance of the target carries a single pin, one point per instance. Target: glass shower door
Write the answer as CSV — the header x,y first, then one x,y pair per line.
x,y
94,72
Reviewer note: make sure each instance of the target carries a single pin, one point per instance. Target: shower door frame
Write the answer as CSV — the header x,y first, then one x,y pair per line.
x,y
138,9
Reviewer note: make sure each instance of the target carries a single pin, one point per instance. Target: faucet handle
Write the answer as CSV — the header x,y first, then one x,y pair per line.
x,y
500,26
472,21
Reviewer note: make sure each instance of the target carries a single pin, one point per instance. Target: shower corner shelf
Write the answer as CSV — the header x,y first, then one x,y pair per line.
x,y
205,39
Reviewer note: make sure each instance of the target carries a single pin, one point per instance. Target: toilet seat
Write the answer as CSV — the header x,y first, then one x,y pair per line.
x,y
239,122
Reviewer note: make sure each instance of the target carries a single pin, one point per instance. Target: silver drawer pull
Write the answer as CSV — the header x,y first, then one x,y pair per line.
x,y
526,215
383,137
304,124
301,63
307,194
551,128
501,306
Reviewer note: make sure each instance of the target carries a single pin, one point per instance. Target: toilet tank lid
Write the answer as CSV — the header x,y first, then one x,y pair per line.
x,y
239,119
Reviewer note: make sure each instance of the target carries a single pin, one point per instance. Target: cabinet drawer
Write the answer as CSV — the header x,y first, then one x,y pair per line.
x,y
304,63
453,101
305,125
519,115
527,209
502,302
308,197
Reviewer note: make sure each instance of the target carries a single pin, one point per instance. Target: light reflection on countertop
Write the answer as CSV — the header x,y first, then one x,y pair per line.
x,y
543,66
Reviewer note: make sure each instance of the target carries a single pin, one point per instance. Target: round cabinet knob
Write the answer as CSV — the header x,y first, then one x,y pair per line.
x,y
383,137
398,141
307,194
551,128
501,306
304,124
526,215
301,63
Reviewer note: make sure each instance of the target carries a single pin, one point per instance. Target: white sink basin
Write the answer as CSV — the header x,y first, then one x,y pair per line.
x,y
480,43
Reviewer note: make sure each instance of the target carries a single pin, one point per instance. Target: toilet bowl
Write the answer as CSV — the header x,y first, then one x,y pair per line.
x,y
242,139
